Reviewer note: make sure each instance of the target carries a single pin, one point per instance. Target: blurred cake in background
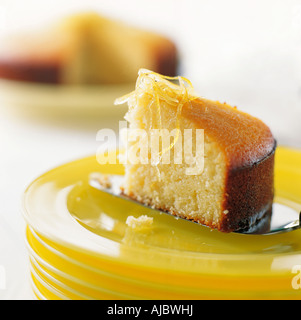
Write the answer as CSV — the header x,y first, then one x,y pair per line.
x,y
86,49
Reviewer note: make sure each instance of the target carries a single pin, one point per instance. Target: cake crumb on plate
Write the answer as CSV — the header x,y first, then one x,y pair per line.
x,y
139,223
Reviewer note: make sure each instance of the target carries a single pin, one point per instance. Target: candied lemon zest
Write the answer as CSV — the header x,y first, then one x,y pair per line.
x,y
161,89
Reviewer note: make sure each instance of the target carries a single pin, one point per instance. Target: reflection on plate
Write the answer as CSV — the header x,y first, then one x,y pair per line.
x,y
63,99
81,248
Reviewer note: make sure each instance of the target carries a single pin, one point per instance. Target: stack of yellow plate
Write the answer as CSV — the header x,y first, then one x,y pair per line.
x,y
80,246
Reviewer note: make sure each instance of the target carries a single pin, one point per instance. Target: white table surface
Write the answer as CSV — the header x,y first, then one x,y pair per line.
x,y
248,56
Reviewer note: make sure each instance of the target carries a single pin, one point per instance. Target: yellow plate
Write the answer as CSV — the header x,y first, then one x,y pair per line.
x,y
55,100
81,247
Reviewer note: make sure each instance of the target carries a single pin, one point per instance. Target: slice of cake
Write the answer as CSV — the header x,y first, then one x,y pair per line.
x,y
227,183
86,49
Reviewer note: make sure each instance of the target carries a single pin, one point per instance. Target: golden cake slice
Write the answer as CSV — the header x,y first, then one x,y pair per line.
x,y
221,160
86,49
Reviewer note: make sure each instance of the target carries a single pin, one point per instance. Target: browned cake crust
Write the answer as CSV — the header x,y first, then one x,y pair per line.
x,y
166,58
249,194
249,149
29,71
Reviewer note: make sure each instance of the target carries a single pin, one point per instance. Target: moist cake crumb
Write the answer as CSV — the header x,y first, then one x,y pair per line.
x,y
103,179
142,222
